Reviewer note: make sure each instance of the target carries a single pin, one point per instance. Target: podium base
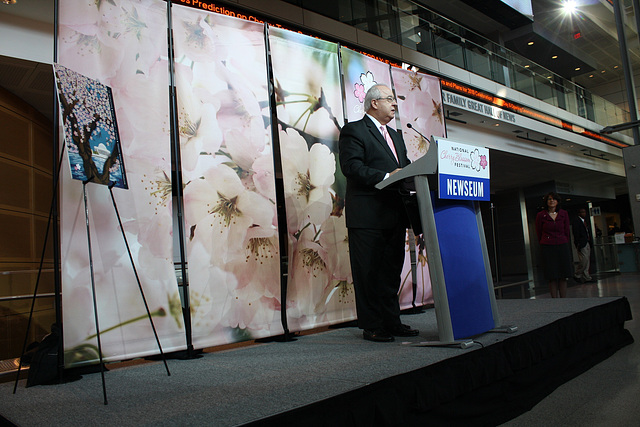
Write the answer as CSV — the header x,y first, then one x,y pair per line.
x,y
463,344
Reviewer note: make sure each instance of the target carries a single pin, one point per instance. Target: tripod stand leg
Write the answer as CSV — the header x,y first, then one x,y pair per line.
x,y
133,265
93,289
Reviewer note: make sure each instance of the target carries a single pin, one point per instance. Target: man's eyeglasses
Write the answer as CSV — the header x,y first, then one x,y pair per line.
x,y
388,98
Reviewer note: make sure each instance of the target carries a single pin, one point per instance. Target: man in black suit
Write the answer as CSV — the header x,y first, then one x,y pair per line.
x,y
582,240
377,221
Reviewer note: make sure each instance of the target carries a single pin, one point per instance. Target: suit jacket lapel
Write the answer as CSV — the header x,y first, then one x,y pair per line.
x,y
378,136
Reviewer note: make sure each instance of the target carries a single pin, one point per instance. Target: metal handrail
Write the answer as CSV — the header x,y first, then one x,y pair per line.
x,y
6,273
508,285
21,297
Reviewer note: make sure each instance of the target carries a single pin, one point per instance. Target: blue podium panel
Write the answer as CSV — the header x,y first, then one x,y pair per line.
x,y
463,266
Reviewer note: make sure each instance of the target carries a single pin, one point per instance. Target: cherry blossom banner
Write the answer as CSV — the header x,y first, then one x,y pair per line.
x,y
309,110
420,105
227,168
117,43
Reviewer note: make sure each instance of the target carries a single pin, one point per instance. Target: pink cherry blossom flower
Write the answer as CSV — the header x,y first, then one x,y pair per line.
x,y
483,161
359,92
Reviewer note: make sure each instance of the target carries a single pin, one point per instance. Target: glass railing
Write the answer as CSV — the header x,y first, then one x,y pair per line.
x,y
412,25
443,39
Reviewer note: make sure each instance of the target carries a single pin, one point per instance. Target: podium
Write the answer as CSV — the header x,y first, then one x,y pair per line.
x,y
457,255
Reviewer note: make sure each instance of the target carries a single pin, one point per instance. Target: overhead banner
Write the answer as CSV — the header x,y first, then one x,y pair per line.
x,y
463,171
478,107
502,109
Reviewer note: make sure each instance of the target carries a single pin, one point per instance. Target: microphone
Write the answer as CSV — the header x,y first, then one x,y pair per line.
x,y
416,130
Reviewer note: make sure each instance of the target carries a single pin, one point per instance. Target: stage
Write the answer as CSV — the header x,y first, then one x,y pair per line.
x,y
336,378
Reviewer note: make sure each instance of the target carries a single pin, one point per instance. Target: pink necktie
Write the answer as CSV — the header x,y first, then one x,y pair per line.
x,y
387,138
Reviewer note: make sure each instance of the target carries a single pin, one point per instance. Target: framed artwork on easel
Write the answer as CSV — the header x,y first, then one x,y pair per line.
x,y
90,129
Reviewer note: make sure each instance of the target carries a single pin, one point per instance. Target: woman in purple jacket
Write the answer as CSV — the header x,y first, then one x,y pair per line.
x,y
552,226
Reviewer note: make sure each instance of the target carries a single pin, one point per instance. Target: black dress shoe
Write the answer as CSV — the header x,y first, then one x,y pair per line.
x,y
377,335
403,331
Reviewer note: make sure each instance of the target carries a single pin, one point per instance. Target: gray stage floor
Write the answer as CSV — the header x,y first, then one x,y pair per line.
x,y
245,384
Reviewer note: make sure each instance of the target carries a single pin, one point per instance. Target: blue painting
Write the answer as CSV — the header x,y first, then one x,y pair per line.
x,y
90,129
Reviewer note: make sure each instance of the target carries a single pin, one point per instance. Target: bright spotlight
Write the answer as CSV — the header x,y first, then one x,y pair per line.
x,y
570,7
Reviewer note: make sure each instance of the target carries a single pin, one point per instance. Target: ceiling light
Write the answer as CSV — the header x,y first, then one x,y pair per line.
x,y
603,71
615,66
577,69
590,76
530,43
554,57
569,7
9,1
497,124
526,66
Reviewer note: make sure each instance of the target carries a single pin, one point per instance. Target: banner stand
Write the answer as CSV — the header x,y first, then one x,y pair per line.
x,y
449,290
177,185
281,211
414,274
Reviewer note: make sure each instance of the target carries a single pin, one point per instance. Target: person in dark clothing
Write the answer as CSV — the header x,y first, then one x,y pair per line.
x,y
582,241
370,151
552,227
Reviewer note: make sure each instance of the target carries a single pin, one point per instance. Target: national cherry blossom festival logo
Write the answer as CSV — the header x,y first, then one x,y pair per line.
x,y
478,161
368,81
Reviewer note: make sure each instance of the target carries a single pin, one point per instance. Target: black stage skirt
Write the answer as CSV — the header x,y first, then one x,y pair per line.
x,y
557,261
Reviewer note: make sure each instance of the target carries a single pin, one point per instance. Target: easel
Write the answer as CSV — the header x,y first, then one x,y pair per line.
x,y
104,178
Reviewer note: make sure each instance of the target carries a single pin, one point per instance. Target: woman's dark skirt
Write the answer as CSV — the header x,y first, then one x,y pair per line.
x,y
557,262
